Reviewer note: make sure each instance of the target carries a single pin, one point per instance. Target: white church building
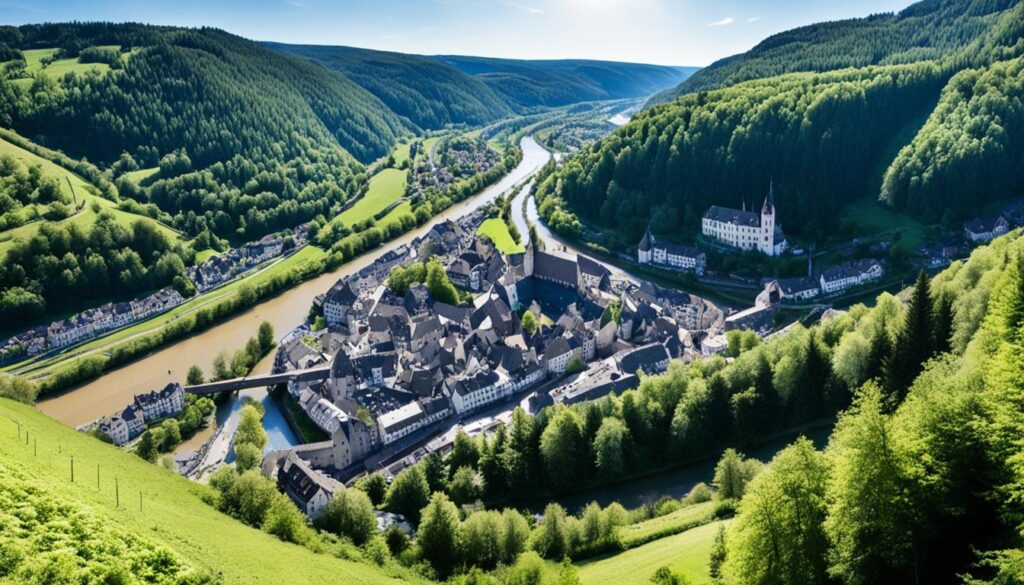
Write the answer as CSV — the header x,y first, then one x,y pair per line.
x,y
746,230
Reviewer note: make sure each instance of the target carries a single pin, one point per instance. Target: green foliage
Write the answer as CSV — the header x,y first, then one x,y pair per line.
x,y
441,289
409,493
529,323
528,570
250,428
778,535
282,157
465,486
430,92
51,538
563,450
64,264
529,84
350,514
375,486
439,534
18,388
927,30
247,456
265,338
195,375
741,340
980,122
913,343
402,277
733,473
610,448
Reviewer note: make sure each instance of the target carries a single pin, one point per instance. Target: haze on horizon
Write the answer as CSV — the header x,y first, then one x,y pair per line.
x,y
667,32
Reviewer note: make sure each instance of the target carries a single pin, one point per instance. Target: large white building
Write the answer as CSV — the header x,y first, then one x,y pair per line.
x,y
746,230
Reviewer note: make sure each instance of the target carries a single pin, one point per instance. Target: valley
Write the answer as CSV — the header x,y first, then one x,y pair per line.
x,y
511,296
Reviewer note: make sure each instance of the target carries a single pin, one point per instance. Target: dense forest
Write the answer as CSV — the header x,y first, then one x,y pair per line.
x,y
532,84
925,31
430,93
819,136
826,138
231,159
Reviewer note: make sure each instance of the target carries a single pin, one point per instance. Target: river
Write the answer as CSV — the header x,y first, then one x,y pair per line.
x,y
114,390
674,483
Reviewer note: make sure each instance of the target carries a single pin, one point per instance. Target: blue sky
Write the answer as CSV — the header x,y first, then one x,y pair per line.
x,y
671,32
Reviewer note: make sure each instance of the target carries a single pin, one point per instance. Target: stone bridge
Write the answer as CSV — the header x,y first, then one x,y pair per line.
x,y
317,373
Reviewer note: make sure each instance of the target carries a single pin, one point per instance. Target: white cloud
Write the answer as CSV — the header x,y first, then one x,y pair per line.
x,y
724,22
754,19
524,7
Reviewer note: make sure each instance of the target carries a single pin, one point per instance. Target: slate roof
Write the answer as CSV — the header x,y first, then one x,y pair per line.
x,y
733,216
556,267
643,358
301,482
342,365
341,294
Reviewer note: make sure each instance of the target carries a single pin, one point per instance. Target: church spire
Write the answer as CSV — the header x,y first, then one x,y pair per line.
x,y
769,201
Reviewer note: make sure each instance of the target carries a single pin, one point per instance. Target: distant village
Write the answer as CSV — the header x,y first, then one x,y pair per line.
x,y
92,323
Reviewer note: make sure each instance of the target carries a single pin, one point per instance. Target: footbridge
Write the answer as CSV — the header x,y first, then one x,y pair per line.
x,y
308,375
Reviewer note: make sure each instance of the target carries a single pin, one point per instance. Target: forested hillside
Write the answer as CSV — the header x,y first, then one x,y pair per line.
x,y
918,485
430,93
926,31
825,138
530,84
231,158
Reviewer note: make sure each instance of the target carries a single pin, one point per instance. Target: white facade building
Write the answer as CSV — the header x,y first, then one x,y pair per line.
x,y
746,230
850,274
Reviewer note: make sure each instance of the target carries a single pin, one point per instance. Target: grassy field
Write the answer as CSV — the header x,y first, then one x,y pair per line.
x,y
401,152
675,522
870,218
57,69
173,513
403,207
686,554
386,187
59,362
71,184
141,174
496,229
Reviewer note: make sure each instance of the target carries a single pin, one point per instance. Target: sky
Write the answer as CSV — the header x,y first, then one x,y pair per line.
x,y
667,32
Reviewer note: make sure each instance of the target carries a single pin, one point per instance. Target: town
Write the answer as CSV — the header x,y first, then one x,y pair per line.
x,y
390,374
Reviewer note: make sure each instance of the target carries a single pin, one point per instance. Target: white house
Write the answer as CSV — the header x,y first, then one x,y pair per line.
x,y
652,251
850,274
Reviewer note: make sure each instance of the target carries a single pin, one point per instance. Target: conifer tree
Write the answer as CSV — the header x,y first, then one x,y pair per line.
x,y
942,324
913,344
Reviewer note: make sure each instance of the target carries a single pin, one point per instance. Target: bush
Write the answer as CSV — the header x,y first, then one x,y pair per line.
x,y
17,388
377,550
247,457
698,494
528,570
350,514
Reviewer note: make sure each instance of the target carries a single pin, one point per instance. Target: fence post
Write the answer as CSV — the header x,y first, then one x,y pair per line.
x,y
72,469
117,494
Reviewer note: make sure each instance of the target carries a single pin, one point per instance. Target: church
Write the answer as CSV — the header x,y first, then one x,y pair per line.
x,y
746,229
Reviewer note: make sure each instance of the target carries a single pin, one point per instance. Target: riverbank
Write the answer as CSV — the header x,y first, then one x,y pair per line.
x,y
115,387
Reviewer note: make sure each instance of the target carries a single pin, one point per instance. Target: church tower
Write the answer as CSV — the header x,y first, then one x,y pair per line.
x,y
767,240
643,250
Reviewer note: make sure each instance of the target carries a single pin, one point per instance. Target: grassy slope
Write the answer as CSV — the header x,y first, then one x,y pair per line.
x,y
686,554
676,521
386,187
85,217
499,234
173,515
